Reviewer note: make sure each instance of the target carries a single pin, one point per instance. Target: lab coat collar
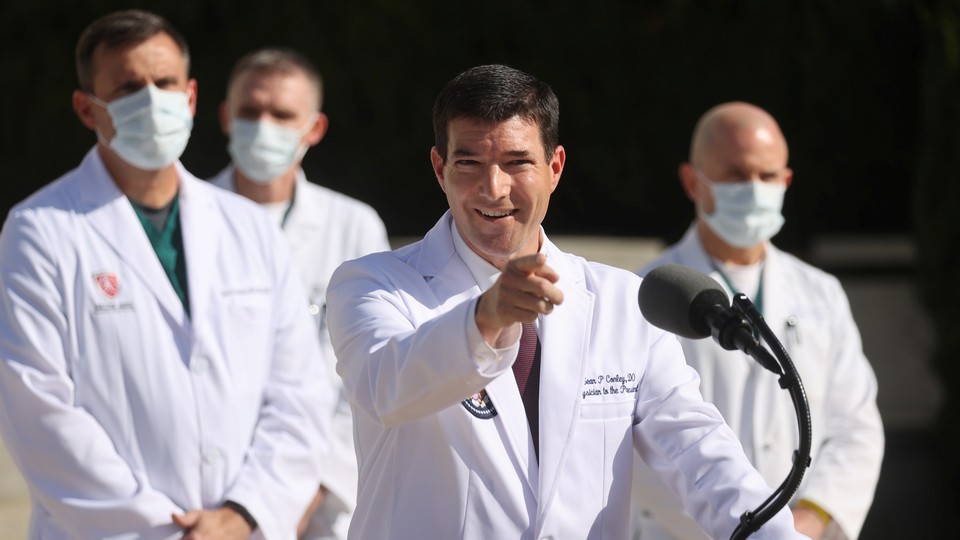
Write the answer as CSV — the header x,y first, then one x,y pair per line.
x,y
564,337
775,281
201,240
503,390
304,222
111,214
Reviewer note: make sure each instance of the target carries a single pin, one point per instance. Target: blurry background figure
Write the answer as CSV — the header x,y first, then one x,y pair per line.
x,y
159,373
736,177
272,116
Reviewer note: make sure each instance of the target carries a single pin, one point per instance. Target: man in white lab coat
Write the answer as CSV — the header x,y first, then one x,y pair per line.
x,y
272,115
737,176
500,386
159,373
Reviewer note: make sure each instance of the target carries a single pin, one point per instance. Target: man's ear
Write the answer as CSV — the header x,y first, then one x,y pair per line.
x,y
556,165
192,96
689,181
317,130
437,160
84,109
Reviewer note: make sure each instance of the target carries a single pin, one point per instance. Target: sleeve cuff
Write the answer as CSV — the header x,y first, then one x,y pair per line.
x,y
238,508
489,360
817,509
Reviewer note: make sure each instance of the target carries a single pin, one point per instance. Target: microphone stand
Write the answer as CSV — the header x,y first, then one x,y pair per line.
x,y
750,522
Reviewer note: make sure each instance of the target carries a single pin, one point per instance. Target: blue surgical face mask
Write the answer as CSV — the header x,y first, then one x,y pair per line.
x,y
263,150
745,213
151,126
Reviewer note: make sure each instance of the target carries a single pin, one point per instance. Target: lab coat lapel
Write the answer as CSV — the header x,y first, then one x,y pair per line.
x,y
452,283
303,225
564,338
200,241
512,416
777,309
111,214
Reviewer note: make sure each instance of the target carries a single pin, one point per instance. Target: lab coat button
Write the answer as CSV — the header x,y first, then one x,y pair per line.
x,y
200,366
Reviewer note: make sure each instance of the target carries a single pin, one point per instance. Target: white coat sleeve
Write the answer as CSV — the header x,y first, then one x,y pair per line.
x,y
395,369
844,475
282,470
65,456
687,443
367,235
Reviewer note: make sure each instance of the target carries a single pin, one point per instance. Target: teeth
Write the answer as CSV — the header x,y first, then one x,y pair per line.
x,y
495,214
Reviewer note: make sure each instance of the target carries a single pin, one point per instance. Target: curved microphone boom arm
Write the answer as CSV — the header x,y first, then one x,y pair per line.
x,y
750,522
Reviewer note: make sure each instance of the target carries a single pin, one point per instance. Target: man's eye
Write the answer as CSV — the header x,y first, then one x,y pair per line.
x,y
518,163
466,162
128,88
166,83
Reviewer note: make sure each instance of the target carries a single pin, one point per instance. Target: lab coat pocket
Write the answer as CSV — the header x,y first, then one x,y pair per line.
x,y
249,304
492,506
806,340
607,410
605,464
247,316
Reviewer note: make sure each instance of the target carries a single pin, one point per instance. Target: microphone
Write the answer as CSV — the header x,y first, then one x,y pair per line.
x,y
691,304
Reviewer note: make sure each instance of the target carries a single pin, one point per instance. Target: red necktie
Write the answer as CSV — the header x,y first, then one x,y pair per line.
x,y
526,369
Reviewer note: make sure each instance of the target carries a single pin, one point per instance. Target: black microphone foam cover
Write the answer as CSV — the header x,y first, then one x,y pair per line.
x,y
677,299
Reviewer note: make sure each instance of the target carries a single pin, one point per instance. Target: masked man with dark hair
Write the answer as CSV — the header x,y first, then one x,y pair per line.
x,y
160,375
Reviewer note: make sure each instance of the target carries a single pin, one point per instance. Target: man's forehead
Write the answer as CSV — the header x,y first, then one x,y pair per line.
x,y
277,85
158,52
515,128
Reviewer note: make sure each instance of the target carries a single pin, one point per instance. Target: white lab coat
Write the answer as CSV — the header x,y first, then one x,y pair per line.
x,y
325,228
119,408
808,311
399,322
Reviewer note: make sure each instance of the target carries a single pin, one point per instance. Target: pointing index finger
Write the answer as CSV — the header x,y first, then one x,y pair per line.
x,y
528,263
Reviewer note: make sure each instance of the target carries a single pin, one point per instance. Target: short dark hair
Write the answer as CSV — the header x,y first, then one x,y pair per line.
x,y
121,29
495,93
278,60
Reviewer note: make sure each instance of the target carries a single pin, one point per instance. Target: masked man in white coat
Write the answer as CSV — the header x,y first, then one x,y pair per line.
x,y
160,374
272,115
737,176
499,385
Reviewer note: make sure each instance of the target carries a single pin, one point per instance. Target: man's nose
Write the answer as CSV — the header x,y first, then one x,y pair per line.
x,y
496,183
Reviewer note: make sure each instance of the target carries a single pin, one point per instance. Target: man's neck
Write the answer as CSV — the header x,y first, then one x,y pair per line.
x,y
152,189
720,250
278,190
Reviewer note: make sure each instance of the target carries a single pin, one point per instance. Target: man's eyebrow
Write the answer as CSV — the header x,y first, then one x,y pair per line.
x,y
462,152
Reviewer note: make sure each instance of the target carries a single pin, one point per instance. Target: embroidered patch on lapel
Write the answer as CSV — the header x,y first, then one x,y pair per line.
x,y
480,405
108,283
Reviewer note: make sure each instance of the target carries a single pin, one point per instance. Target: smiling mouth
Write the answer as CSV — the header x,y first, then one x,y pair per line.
x,y
491,214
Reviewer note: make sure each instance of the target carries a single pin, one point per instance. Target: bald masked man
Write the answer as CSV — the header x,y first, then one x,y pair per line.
x,y
737,177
